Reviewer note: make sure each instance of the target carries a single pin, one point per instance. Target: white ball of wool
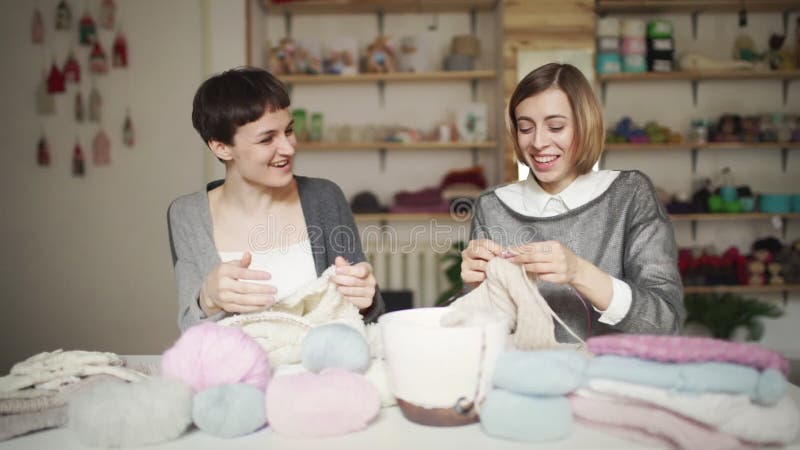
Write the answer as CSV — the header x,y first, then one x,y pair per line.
x,y
118,414
229,410
335,345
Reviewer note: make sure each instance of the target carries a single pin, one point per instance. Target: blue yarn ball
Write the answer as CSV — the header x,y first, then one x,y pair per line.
x,y
772,386
229,410
526,418
335,345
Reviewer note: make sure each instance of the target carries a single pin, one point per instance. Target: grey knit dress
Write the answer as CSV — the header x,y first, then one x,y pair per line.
x,y
625,232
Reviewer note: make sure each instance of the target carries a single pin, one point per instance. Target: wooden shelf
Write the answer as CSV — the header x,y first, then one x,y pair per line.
x,y
766,289
699,75
324,146
373,6
733,216
455,75
692,6
629,147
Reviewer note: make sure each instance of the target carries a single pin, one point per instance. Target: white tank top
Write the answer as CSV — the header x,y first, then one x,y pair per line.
x,y
292,267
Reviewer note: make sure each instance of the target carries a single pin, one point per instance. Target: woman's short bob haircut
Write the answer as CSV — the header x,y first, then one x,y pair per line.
x,y
589,136
234,98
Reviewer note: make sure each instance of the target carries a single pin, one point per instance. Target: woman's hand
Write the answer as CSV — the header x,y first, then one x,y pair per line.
x,y
356,282
223,288
549,261
474,259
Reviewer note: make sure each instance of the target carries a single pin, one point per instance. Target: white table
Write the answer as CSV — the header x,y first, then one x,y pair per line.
x,y
389,431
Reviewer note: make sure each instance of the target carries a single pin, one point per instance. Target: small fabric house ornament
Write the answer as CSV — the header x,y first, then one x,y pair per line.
x,y
95,105
78,163
72,70
120,51
43,152
87,29
45,103
37,27
128,136
55,81
97,59
101,149
63,16
108,13
79,110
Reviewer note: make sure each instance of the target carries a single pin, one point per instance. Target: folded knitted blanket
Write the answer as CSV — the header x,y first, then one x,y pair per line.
x,y
732,414
52,370
766,387
687,349
280,330
509,291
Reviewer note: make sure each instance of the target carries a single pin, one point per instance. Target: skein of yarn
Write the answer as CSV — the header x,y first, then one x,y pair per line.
x,y
208,354
335,345
229,410
116,414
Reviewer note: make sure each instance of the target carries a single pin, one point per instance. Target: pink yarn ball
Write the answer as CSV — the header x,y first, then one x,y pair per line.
x,y
330,403
209,355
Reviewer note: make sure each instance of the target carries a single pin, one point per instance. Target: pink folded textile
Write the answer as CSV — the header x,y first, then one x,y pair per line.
x,y
443,207
648,423
683,349
425,196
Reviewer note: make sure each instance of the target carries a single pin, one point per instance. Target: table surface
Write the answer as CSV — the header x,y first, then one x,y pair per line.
x,y
389,431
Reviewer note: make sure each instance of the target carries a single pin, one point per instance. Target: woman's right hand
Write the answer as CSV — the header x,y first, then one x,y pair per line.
x,y
474,259
224,290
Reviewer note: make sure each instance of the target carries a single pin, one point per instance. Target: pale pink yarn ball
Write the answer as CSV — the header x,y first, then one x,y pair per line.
x,y
209,354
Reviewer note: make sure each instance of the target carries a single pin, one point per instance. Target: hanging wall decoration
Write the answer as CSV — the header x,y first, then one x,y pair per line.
x,y
97,59
120,52
108,12
95,105
78,165
63,16
45,103
55,82
101,149
72,70
79,111
43,152
37,27
87,29
128,136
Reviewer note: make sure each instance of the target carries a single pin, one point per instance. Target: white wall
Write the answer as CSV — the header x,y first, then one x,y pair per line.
x,y
86,261
670,103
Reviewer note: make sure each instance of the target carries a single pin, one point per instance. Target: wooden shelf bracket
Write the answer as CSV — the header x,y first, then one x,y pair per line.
x,y
382,159
695,153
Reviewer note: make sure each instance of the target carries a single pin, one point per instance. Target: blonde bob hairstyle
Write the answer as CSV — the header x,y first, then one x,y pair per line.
x,y
587,141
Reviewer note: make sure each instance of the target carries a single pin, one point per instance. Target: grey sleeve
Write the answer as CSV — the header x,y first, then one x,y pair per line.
x,y
187,274
477,229
346,241
651,268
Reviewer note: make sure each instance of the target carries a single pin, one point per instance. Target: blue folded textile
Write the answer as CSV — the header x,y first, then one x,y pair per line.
x,y
766,387
541,372
528,418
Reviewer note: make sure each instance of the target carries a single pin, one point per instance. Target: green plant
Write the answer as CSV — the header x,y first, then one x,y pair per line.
x,y
452,272
722,314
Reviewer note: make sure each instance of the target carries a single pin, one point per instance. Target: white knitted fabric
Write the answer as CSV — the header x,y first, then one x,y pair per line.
x,y
509,291
58,368
281,329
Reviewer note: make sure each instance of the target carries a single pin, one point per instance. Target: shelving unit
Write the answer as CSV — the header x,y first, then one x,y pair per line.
x,y
784,289
390,77
784,147
423,145
373,6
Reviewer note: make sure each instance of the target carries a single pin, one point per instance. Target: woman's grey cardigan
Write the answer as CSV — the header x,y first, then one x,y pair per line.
x,y
331,230
625,232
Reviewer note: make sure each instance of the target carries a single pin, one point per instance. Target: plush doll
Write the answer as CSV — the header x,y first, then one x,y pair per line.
x,y
775,56
756,270
380,56
775,277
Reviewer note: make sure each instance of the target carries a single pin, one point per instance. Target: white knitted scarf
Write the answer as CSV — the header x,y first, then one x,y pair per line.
x,y
281,329
509,292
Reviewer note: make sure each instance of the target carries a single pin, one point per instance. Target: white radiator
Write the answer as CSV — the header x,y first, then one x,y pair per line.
x,y
418,268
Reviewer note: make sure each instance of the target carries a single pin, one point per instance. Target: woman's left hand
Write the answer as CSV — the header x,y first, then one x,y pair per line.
x,y
356,282
550,260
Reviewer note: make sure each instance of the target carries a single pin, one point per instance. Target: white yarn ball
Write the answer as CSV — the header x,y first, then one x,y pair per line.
x,y
116,414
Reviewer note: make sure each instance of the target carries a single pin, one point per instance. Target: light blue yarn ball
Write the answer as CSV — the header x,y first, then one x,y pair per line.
x,y
772,386
335,345
229,410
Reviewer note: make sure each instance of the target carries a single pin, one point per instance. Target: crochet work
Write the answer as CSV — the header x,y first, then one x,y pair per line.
x,y
281,329
510,292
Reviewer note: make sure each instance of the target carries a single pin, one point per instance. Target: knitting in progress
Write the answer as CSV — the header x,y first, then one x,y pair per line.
x,y
281,329
508,290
